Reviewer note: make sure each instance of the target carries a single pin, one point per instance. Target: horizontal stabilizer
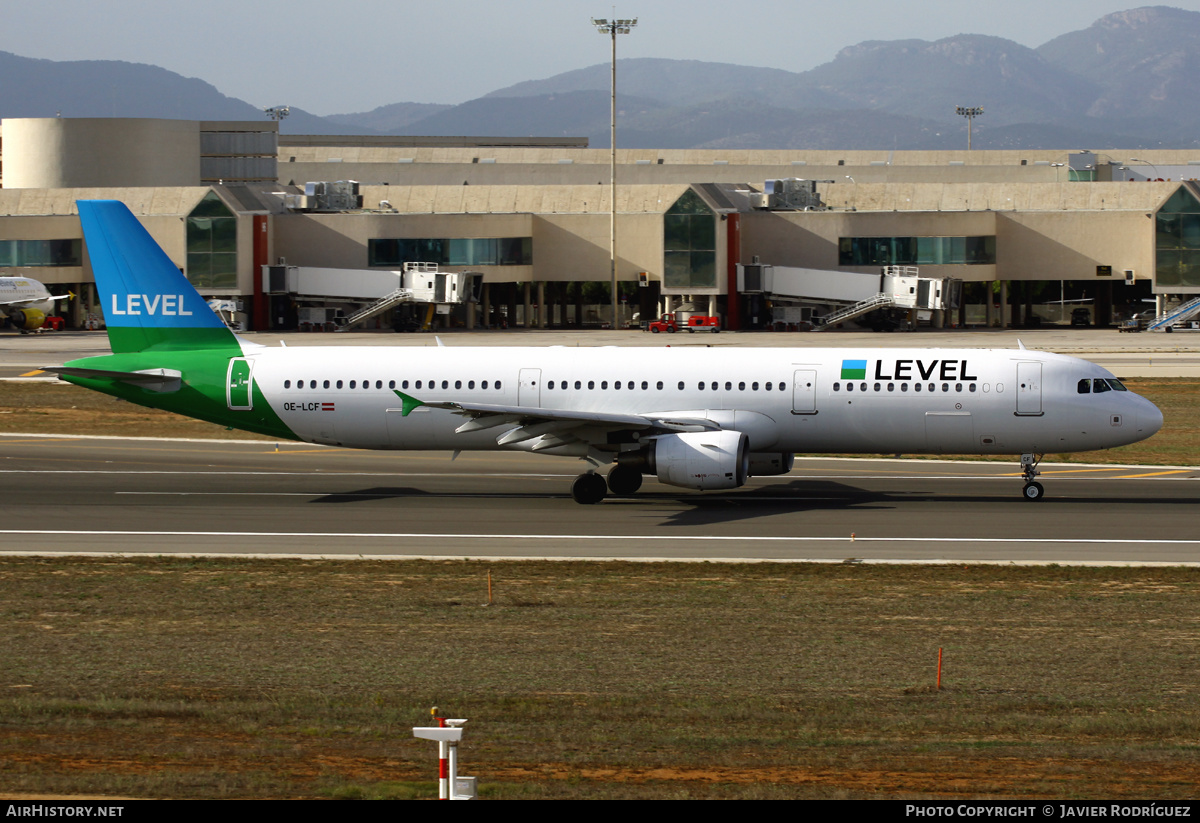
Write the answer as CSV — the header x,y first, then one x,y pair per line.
x,y
159,380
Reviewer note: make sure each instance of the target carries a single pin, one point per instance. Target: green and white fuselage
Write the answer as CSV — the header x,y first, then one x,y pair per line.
x,y
694,417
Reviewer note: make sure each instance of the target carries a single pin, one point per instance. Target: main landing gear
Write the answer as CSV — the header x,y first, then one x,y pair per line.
x,y
1033,490
591,488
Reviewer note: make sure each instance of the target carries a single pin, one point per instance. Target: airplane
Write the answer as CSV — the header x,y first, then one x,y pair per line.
x,y
27,302
696,418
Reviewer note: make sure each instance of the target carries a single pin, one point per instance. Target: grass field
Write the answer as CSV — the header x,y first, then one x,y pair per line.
x,y
225,678
161,677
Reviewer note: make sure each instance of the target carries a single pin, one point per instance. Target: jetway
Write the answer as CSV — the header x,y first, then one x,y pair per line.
x,y
826,298
378,289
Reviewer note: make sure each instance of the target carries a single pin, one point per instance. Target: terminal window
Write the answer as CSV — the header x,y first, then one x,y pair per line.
x,y
212,245
1177,241
689,244
917,251
457,251
15,253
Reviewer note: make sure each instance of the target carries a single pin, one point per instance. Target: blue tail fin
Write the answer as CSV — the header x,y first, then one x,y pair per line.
x,y
147,302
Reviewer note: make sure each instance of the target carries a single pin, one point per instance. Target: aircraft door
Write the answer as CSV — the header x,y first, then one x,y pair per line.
x,y
804,391
239,386
529,388
1029,389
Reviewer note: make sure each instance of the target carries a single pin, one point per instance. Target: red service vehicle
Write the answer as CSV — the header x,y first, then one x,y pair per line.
x,y
700,321
665,323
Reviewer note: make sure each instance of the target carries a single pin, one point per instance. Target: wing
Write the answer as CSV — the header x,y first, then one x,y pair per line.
x,y
27,301
537,429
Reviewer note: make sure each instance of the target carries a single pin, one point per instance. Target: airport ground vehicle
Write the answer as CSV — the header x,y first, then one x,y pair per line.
x,y
700,321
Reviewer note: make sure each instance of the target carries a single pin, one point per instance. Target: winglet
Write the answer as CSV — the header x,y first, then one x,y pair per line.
x,y
409,403
1020,345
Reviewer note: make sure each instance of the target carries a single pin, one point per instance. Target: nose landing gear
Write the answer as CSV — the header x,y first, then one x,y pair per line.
x,y
1033,490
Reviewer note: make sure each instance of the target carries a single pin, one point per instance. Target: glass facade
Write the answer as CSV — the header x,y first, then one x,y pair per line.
x,y
917,251
459,251
689,244
1177,241
41,253
212,245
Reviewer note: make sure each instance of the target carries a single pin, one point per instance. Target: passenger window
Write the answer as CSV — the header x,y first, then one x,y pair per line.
x,y
578,385
617,385
379,384
391,384
681,385
768,387
591,385
418,384
497,385
483,385
714,385
458,384
312,384
339,384
287,384
728,386
741,386
891,386
837,386
916,386
445,384
972,388
877,387
700,385
646,385
849,387
754,386
903,387
958,387
660,385
603,384
471,384
326,384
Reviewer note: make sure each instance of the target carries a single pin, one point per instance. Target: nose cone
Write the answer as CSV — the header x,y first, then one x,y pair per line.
x,y
1149,419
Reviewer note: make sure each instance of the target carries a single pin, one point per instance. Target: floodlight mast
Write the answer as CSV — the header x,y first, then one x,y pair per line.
x,y
969,112
613,28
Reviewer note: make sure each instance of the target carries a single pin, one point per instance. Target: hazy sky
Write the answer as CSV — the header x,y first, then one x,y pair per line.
x,y
355,55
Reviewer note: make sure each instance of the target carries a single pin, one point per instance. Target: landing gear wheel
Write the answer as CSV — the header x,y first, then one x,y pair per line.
x,y
624,480
589,488
1033,491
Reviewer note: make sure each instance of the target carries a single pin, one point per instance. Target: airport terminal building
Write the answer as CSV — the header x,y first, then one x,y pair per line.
x,y
237,207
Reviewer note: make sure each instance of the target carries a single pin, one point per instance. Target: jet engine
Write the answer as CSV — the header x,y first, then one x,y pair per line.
x,y
27,319
700,460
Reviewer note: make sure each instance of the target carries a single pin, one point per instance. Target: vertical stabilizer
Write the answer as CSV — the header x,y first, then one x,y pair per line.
x,y
147,302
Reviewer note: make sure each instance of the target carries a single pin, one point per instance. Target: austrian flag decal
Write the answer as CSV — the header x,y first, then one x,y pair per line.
x,y
326,407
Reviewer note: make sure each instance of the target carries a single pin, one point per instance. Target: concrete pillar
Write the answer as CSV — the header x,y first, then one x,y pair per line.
x,y
1004,312
541,304
712,305
487,305
987,304
526,319
472,315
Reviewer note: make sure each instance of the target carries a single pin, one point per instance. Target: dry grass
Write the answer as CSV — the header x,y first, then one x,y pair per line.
x,y
224,678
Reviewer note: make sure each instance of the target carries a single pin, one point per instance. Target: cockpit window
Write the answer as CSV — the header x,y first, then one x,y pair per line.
x,y
1099,385
1116,384
1085,386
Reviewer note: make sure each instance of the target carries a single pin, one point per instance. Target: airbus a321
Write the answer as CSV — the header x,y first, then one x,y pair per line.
x,y
697,418
27,302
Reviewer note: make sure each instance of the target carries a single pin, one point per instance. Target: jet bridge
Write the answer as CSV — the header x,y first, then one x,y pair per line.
x,y
826,298
373,290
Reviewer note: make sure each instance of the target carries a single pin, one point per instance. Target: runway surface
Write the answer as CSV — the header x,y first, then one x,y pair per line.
x,y
147,496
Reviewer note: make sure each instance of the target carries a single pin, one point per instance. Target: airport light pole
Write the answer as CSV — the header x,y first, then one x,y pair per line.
x,y
1147,162
613,28
969,112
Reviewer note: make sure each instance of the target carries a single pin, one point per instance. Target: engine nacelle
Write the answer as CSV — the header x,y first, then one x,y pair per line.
x,y
27,319
765,464
701,460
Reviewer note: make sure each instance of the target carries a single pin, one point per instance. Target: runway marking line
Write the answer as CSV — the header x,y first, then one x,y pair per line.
x,y
594,537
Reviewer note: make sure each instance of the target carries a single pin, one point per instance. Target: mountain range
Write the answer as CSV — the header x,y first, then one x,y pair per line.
x,y
1128,80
